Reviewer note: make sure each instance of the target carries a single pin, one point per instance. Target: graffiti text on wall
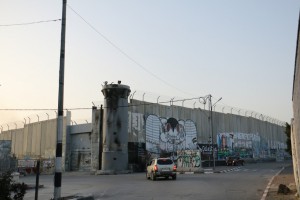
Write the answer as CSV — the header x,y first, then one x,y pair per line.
x,y
188,158
136,127
5,146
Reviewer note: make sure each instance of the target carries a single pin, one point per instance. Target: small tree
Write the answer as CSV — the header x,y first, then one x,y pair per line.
x,y
9,189
288,139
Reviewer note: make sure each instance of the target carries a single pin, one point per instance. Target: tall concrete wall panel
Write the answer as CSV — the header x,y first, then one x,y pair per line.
x,y
50,137
25,138
5,135
17,142
34,140
29,141
95,140
271,134
43,142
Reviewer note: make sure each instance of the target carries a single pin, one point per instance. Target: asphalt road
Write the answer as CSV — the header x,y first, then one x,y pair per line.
x,y
245,182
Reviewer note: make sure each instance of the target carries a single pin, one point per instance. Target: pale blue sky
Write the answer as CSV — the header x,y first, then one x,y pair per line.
x,y
242,51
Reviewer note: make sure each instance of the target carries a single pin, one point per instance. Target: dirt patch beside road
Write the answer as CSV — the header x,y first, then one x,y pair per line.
x,y
286,177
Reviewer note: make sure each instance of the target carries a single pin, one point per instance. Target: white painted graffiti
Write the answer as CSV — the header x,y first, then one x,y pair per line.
x,y
170,135
188,158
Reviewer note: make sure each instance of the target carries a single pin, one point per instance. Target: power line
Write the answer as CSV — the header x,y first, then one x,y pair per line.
x,y
125,54
141,104
30,23
85,108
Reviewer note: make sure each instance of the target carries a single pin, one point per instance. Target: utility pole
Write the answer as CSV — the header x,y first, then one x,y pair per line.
x,y
101,137
58,159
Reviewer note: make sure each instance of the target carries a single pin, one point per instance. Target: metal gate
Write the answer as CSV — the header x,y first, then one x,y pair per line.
x,y
81,152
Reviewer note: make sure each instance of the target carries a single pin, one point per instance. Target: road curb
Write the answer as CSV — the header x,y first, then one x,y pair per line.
x,y
269,184
210,171
229,170
76,197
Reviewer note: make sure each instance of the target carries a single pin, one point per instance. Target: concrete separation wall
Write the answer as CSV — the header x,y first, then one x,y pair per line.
x,y
36,140
153,129
248,133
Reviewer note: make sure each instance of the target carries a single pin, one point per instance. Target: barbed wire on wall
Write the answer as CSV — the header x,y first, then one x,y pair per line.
x,y
48,114
201,103
42,116
45,114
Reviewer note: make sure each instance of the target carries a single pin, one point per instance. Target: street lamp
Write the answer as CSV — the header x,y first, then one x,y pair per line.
x,y
212,131
210,144
203,100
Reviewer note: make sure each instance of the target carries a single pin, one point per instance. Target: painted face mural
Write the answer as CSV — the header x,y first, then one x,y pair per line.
x,y
169,135
172,135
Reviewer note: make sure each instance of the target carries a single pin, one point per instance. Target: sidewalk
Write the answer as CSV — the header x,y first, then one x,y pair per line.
x,y
286,177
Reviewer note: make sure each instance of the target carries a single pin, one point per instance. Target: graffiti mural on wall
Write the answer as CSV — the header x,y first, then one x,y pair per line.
x,y
241,144
188,158
48,166
28,166
26,163
136,125
169,135
5,155
5,146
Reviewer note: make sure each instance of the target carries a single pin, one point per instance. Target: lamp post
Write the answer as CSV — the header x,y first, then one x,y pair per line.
x,y
204,99
210,144
212,131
